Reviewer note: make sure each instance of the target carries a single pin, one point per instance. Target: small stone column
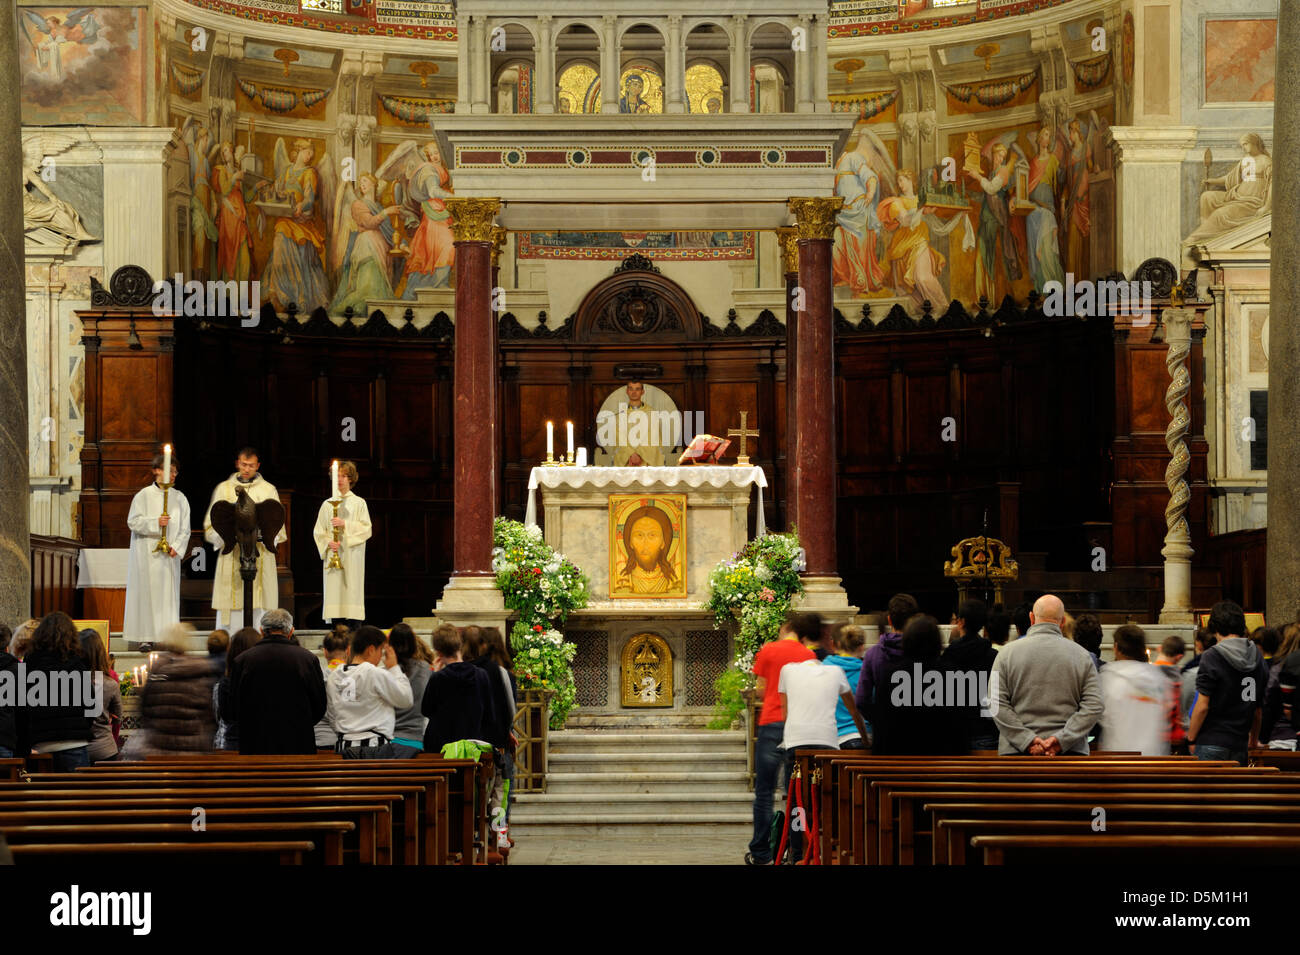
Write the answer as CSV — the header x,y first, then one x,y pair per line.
x,y
1178,539
544,59
803,70
463,60
471,596
15,542
609,65
739,78
674,68
816,461
1284,337
789,239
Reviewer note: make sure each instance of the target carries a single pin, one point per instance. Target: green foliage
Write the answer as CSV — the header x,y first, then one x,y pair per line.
x,y
544,587
754,588
728,686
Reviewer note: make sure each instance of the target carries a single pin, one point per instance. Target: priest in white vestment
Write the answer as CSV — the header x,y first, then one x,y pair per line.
x,y
345,588
642,429
153,578
227,585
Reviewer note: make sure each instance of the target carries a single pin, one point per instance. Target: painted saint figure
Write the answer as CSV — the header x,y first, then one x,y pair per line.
x,y
854,258
296,272
1247,192
915,267
647,536
234,242
994,237
1043,230
432,251
631,101
363,237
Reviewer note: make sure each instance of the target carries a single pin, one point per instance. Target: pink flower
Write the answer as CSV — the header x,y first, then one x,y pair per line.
x,y
768,594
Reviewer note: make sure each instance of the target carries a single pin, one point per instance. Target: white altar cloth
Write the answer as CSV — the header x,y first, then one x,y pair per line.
x,y
687,476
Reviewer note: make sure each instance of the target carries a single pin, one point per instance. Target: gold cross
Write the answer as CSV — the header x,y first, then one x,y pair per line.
x,y
742,459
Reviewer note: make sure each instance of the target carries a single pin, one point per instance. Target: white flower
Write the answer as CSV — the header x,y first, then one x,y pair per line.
x,y
533,530
534,653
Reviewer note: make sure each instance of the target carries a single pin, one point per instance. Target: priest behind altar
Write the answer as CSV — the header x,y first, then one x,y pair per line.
x,y
345,588
153,578
634,429
227,585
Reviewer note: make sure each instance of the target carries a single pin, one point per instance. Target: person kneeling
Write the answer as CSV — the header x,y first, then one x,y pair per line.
x,y
364,696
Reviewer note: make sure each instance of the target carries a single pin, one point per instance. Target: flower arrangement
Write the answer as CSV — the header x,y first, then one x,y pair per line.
x,y
753,589
543,587
127,683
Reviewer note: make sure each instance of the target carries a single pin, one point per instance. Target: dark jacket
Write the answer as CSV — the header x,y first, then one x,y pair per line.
x,y
1279,718
903,725
1223,676
973,654
53,724
877,663
458,702
277,697
496,722
176,705
9,713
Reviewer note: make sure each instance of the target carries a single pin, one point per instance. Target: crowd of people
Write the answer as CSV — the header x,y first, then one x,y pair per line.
x,y
367,695
1044,694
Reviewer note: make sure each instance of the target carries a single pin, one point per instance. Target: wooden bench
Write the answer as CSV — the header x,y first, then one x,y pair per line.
x,y
325,838
1103,848
162,853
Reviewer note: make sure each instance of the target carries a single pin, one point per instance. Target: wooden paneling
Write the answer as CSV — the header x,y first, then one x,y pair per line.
x,y
54,575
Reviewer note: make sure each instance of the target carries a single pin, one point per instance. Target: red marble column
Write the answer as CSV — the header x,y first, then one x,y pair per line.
x,y
788,239
814,384
474,420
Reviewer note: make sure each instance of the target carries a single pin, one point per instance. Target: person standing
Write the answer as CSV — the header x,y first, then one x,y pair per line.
x,y
1230,686
793,645
364,697
227,585
881,656
277,692
345,587
972,656
62,730
414,658
153,578
1137,698
850,645
458,697
1043,691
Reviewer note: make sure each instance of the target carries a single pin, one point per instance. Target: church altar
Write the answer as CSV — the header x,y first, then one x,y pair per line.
x,y
575,505
666,641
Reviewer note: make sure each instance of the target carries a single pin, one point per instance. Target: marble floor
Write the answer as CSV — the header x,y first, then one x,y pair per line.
x,y
630,845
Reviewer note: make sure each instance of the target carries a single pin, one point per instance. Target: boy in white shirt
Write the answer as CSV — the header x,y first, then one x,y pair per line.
x,y
810,693
1137,697
364,697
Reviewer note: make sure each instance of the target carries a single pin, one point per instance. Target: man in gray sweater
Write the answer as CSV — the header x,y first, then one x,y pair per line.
x,y
1043,692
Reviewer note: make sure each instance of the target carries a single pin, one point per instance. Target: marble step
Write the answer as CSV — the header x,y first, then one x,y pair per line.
x,y
705,741
596,808
631,762
638,721
645,782
639,826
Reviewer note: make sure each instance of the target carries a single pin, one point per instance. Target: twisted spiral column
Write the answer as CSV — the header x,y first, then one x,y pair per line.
x,y
1177,551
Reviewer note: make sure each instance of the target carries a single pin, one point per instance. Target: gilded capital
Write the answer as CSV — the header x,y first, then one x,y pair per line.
x,y
472,219
815,215
788,237
499,236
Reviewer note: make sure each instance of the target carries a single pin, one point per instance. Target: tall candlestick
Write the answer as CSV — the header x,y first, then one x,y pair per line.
x,y
334,481
550,439
569,426
167,464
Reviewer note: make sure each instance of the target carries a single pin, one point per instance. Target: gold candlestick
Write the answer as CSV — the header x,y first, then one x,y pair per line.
x,y
335,562
164,547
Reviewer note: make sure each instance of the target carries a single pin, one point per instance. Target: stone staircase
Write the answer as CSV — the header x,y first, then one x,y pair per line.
x,y
647,779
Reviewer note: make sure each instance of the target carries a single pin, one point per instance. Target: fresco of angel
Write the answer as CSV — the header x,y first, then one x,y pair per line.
x,y
1086,140
999,239
421,184
234,241
296,272
203,225
855,256
362,242
47,35
1046,179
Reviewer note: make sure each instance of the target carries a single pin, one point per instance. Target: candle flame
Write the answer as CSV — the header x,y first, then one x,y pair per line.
x,y
167,448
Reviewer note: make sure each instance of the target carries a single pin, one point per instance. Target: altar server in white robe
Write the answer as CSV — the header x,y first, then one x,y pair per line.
x,y
153,578
227,585
345,589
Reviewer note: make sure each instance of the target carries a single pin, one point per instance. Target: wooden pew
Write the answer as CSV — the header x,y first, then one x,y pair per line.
x,y
356,841
110,795
325,838
1103,848
160,853
958,832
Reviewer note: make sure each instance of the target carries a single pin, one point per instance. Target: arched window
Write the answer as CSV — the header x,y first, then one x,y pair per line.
x,y
703,89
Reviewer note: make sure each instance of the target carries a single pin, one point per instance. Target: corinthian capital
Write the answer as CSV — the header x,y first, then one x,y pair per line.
x,y
815,215
472,219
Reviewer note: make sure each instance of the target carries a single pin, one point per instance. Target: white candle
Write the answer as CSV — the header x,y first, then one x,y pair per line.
x,y
569,426
550,439
582,457
334,481
167,464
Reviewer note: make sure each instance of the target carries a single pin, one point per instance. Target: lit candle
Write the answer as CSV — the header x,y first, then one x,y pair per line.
x,y
167,464
569,426
550,439
334,481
